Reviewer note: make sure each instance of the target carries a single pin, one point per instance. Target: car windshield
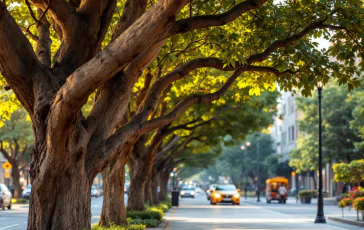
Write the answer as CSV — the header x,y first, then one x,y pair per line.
x,y
93,187
29,186
228,187
184,188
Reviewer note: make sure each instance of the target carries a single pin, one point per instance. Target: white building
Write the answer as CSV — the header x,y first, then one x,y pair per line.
x,y
285,131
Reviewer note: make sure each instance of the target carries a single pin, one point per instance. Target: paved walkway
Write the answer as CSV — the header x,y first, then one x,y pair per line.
x,y
199,214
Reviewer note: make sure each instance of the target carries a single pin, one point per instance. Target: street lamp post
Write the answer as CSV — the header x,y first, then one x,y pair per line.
x,y
244,175
320,218
258,188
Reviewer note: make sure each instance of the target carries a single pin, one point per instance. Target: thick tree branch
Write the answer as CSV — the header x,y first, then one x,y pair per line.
x,y
44,41
199,22
18,62
259,57
27,32
5,153
60,10
132,11
100,69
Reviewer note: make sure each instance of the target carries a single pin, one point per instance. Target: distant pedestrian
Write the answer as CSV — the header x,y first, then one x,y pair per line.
x,y
282,192
258,193
246,192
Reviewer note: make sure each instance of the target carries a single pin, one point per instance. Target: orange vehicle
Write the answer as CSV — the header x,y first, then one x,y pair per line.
x,y
272,189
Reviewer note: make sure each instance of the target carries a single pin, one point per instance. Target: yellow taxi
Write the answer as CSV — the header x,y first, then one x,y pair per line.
x,y
225,193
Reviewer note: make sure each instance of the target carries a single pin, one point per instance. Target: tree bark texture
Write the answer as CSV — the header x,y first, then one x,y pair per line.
x,y
163,185
15,174
155,185
60,201
136,194
113,207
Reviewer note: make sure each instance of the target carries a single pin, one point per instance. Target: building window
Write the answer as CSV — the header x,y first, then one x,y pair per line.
x,y
291,133
284,138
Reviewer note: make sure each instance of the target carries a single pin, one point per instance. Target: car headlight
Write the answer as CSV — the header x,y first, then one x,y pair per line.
x,y
217,195
237,195
192,193
182,193
24,192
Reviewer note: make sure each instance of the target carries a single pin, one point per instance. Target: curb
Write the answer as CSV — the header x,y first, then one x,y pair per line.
x,y
356,223
161,226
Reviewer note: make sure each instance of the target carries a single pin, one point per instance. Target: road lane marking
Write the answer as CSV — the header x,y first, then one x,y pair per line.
x,y
9,226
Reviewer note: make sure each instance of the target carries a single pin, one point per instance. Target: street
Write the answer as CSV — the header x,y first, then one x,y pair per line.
x,y
199,214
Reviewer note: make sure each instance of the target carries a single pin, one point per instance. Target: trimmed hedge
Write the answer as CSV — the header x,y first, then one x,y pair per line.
x,y
118,227
305,193
19,201
150,223
147,214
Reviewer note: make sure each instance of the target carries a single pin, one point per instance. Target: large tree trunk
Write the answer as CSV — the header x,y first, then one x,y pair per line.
x,y
148,192
137,185
113,207
155,185
15,174
163,185
60,201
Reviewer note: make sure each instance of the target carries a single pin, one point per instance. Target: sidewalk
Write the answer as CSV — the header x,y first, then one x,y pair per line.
x,y
349,218
198,214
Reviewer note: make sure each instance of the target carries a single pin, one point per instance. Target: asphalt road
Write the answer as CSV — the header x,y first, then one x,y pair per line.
x,y
199,214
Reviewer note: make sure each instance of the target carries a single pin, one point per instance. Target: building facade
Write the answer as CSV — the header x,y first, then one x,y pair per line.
x,y
285,132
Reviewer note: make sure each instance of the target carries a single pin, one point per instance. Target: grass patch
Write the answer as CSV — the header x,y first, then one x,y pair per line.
x,y
19,201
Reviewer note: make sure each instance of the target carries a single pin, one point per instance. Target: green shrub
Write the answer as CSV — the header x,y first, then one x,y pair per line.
x,y
305,193
358,203
19,201
113,226
150,213
150,223
164,205
345,202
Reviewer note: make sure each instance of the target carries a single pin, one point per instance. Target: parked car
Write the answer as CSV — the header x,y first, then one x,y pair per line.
x,y
94,191
126,188
27,191
187,192
5,197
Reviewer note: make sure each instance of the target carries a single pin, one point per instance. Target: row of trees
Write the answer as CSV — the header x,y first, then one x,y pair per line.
x,y
105,83
342,112
241,166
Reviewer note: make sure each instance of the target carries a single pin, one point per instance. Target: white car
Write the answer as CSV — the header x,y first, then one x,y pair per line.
x,y
187,192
